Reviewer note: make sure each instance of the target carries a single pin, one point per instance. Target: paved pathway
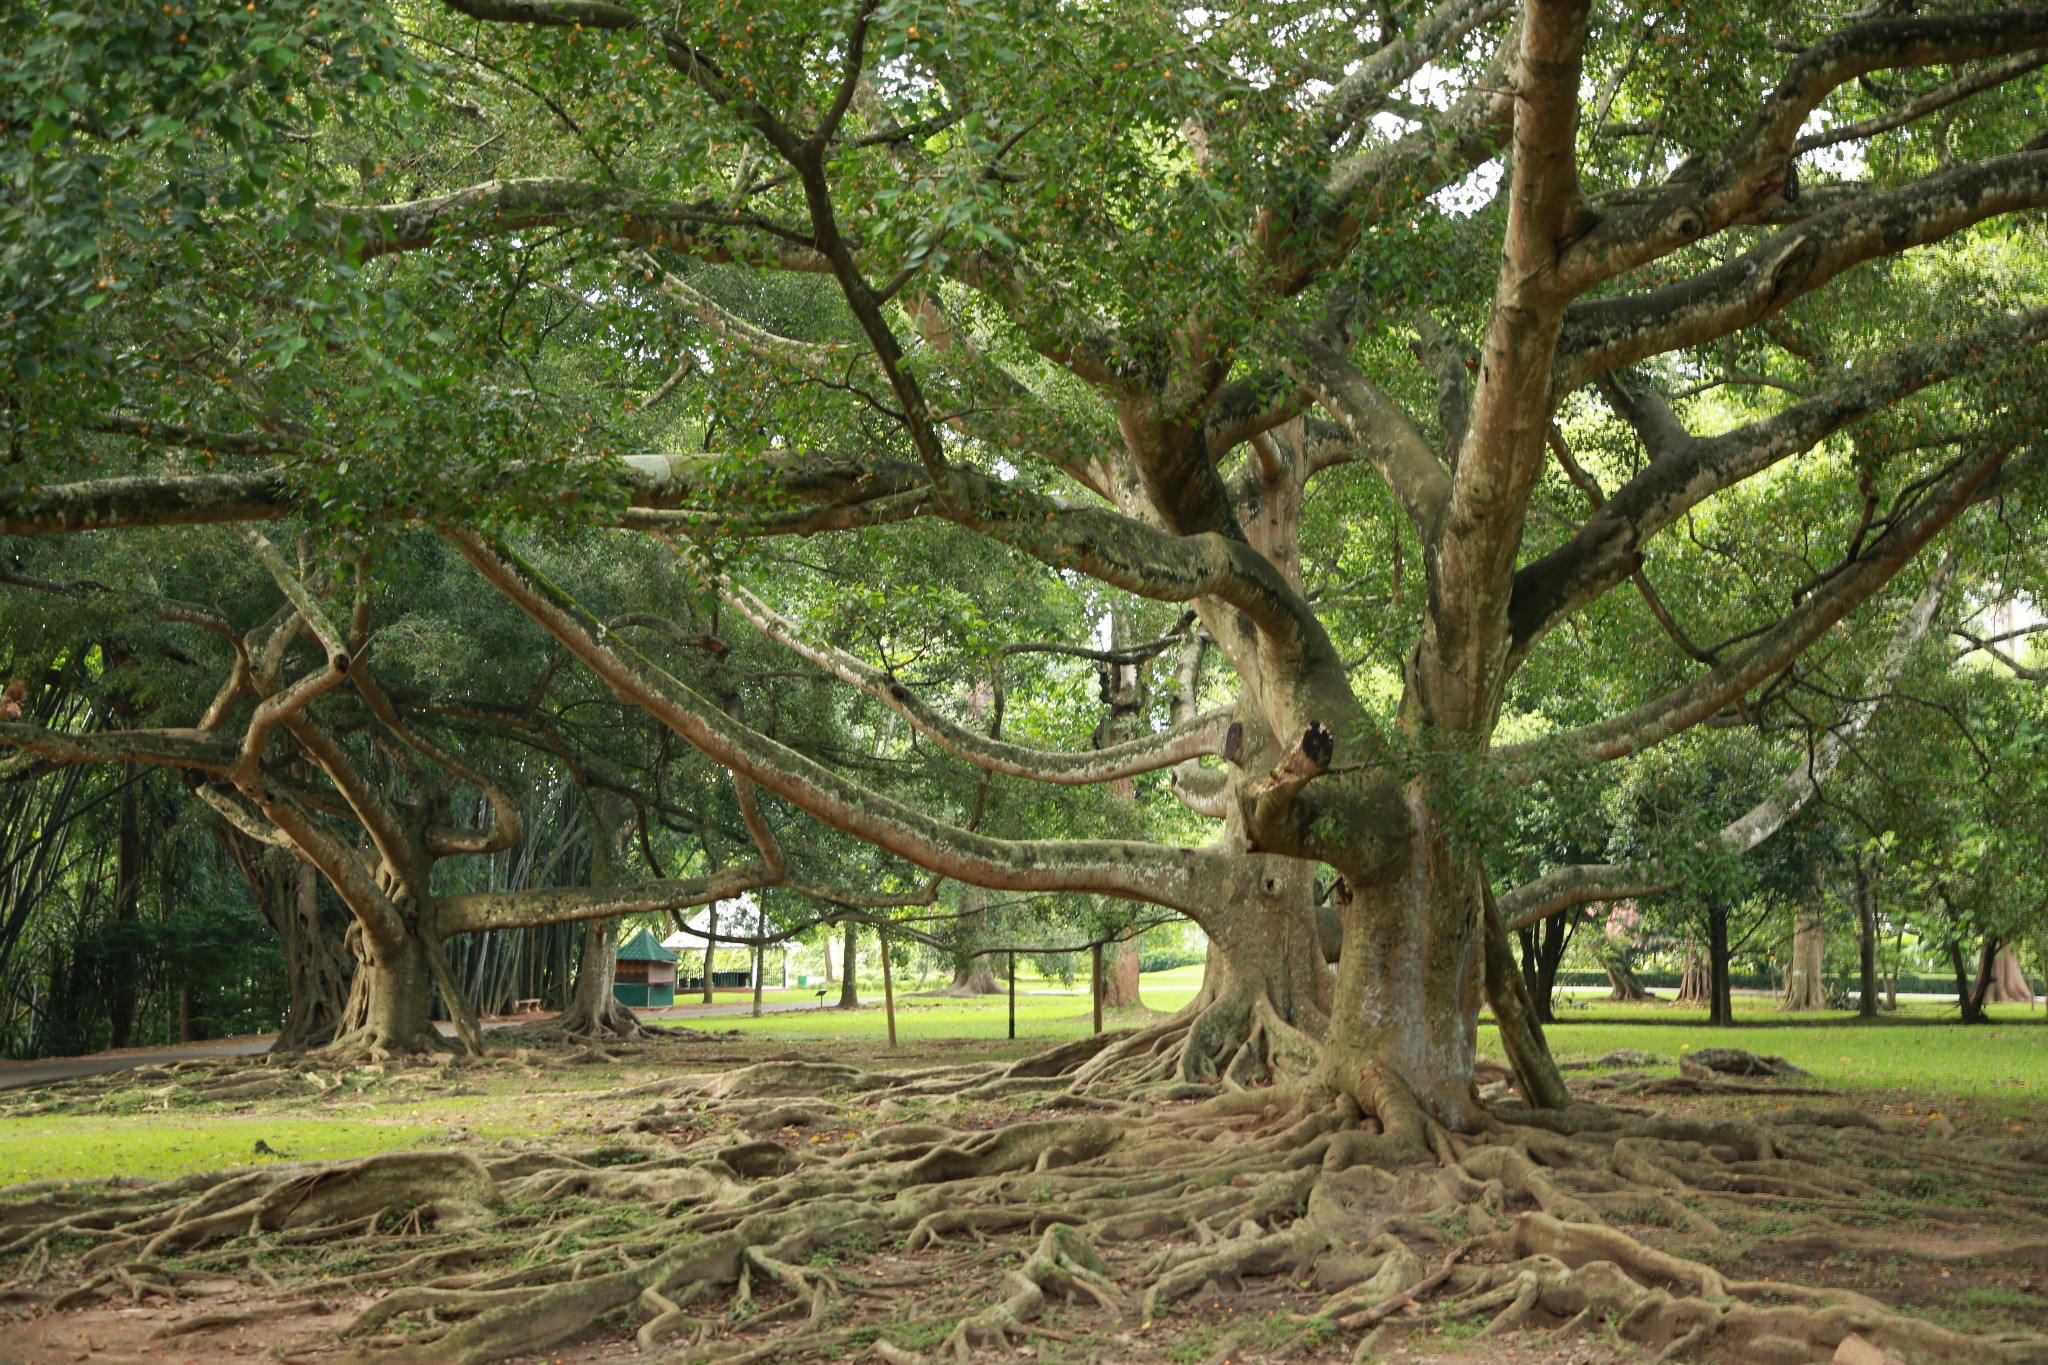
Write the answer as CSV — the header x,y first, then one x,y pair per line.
x,y
15,1075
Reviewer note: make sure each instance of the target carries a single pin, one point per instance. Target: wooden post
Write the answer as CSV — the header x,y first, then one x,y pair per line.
x,y
1013,993
1095,953
888,987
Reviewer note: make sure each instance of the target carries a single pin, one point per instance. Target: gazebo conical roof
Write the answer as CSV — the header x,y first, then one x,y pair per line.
x,y
642,947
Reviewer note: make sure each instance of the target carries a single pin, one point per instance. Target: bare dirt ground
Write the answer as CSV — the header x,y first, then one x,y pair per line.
x,y
1946,1231
1216,1332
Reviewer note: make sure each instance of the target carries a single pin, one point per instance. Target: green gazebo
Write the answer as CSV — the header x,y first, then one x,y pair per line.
x,y
646,973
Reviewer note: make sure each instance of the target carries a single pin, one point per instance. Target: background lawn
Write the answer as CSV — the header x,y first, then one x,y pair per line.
x,y
1919,1048
1910,1062
1046,1011
174,1143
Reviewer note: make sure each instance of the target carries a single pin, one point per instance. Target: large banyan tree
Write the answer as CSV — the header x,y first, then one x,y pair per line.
x,y
1376,363
1233,310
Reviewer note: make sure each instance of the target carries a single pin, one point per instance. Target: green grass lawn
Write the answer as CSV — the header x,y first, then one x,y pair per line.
x,y
1041,1015
174,1143
1917,1059
2002,1067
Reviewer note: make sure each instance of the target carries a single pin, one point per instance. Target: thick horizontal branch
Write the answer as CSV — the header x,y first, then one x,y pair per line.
x,y
1155,873
1565,887
1562,888
1753,174
1194,739
1205,791
192,438
475,912
1606,334
773,485
1677,711
496,208
1141,559
164,748
722,491
1684,470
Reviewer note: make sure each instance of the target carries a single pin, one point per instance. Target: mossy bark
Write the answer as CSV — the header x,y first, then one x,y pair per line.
x,y
390,1002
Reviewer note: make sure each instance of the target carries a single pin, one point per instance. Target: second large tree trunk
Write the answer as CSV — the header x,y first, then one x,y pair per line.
x,y
316,958
1621,980
593,1009
2008,984
1543,948
390,1003
1806,986
317,962
1120,977
1409,983
974,976
1266,990
1265,962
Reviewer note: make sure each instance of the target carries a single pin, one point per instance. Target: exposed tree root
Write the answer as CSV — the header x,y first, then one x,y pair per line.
x,y
1234,1041
733,1214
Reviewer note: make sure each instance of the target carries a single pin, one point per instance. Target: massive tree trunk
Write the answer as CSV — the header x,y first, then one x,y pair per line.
x,y
593,1009
1806,986
849,988
1621,980
972,973
1120,977
390,1002
1410,980
974,976
2008,984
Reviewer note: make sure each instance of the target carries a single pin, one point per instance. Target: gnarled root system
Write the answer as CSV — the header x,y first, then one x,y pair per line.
x,y
765,1210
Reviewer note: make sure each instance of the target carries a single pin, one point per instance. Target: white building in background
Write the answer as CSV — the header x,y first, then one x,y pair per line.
x,y
733,969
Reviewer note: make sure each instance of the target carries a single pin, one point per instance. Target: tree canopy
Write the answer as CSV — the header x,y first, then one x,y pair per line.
x,y
1453,399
